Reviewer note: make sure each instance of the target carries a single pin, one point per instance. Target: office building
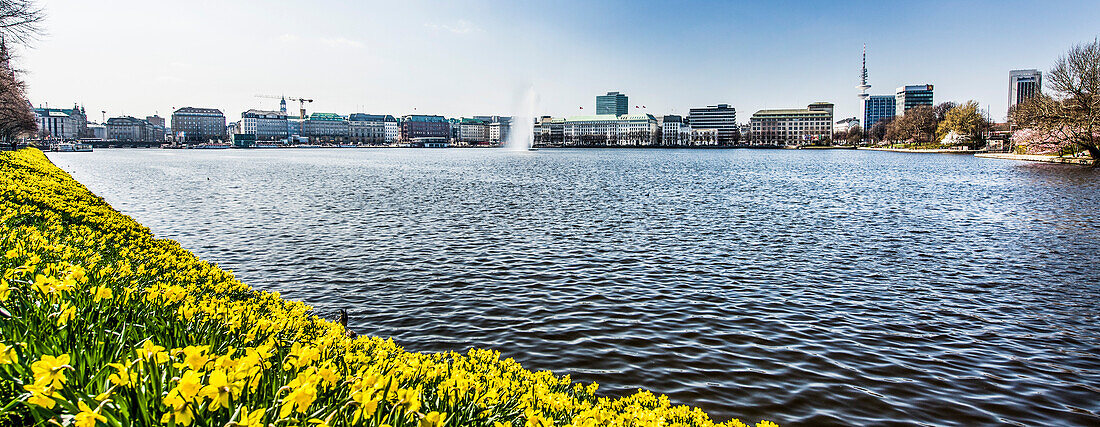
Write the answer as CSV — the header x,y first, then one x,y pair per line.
x,y
613,103
473,131
878,107
721,117
675,131
265,125
192,125
421,128
327,128
910,96
132,129
1023,85
373,129
787,127
634,130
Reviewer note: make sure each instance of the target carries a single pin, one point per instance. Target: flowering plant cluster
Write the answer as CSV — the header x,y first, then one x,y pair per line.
x,y
104,325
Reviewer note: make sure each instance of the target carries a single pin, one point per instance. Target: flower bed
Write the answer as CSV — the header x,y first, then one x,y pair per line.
x,y
103,324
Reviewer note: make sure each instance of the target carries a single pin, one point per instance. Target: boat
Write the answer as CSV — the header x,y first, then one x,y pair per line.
x,y
532,148
66,147
213,146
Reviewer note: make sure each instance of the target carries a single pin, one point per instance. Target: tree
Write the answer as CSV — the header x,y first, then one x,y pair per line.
x,y
878,131
20,21
16,117
941,109
854,135
1069,118
965,120
918,124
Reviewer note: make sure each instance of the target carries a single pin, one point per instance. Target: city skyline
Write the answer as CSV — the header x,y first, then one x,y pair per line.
x,y
478,58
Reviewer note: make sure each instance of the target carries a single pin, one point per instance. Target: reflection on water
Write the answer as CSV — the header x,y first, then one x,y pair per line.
x,y
803,287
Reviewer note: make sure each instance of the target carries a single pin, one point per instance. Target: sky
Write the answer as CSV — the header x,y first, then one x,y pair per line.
x,y
465,58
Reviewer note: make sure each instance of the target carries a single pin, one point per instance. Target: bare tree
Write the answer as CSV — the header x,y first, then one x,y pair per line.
x,y
16,117
1070,117
20,21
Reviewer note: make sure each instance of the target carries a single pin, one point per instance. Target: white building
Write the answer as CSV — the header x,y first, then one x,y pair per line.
x,y
611,130
674,131
473,131
266,125
57,123
845,125
788,127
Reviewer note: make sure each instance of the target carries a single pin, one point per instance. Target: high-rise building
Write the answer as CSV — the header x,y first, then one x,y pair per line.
x,y
793,126
198,125
612,103
1023,85
878,107
912,96
721,117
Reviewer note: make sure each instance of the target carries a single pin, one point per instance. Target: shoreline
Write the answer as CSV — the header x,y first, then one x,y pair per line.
x,y
924,151
1084,161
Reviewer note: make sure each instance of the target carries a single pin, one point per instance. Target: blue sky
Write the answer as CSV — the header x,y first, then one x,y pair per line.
x,y
479,57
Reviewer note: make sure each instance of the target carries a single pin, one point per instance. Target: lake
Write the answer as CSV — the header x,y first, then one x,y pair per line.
x,y
808,287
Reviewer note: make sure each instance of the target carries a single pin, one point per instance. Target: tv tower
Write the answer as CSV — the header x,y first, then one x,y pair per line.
x,y
863,95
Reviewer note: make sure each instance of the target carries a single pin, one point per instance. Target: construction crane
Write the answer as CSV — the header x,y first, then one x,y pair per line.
x,y
301,103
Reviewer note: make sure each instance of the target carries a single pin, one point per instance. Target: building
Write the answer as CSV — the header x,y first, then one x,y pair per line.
x,y
473,131
612,103
549,131
878,107
675,131
132,129
1023,85
325,128
58,123
192,125
264,125
98,131
788,127
721,117
911,96
156,120
845,125
632,130
422,126
373,129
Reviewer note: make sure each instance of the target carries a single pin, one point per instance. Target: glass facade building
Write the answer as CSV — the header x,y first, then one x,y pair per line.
x,y
912,96
1023,85
612,103
878,107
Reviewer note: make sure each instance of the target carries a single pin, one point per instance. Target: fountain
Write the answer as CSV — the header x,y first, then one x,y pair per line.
x,y
521,135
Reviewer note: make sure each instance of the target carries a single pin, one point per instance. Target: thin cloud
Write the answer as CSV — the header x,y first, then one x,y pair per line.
x,y
461,27
341,42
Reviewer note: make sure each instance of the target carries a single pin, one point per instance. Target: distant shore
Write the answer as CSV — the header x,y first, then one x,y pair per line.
x,y
1037,158
919,150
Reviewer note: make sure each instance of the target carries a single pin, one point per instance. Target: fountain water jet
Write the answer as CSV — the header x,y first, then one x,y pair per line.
x,y
521,135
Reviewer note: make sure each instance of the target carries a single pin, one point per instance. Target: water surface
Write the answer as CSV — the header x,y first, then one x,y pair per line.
x,y
805,287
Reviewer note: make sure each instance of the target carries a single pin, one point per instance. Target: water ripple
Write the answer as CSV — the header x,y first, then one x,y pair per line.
x,y
810,288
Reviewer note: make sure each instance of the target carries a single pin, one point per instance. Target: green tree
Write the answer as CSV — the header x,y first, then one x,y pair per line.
x,y
965,120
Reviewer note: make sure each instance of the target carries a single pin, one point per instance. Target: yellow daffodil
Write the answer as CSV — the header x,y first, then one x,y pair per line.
x,y
433,419
51,369
8,354
87,417
100,293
